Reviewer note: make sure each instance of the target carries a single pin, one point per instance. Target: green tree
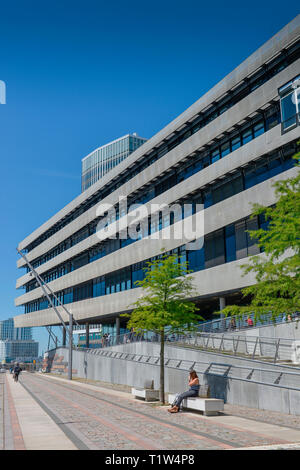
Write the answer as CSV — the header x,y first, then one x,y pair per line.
x,y
277,288
163,306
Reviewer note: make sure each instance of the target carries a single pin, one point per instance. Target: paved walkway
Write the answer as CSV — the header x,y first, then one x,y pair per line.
x,y
45,412
26,425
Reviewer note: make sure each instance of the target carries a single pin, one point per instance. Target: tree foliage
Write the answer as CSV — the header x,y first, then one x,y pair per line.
x,y
164,305
277,288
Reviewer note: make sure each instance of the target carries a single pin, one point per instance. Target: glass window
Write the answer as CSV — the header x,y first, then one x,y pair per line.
x,y
241,240
230,243
195,129
274,166
261,173
182,255
154,224
137,273
214,249
263,223
235,143
227,189
288,110
188,209
225,149
206,161
259,129
195,259
165,219
252,224
247,136
207,199
98,287
250,177
215,155
223,109
123,281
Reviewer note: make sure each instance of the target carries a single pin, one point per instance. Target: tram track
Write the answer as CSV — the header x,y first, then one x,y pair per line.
x,y
60,393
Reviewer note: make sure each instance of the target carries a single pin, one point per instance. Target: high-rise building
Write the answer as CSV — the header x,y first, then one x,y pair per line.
x,y
105,158
224,152
16,343
8,331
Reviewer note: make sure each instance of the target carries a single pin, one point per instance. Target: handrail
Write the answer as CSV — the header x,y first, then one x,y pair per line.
x,y
273,348
220,325
207,368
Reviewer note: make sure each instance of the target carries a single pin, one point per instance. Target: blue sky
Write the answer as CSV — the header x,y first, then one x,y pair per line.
x,y
81,73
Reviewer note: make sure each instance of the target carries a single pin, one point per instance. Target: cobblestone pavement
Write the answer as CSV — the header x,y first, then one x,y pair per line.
x,y
103,418
274,417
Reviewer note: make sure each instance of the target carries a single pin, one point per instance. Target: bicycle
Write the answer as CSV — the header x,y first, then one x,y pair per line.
x,y
16,377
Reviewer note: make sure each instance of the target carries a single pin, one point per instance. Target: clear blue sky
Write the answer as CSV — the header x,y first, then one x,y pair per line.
x,y
81,73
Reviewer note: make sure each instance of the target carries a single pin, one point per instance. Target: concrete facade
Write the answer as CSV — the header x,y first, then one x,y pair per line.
x,y
288,35
210,282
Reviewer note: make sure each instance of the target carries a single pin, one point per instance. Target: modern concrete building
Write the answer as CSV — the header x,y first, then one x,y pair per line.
x,y
225,152
105,158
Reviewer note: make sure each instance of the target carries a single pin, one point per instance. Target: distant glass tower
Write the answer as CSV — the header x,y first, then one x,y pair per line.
x,y
8,331
16,344
105,158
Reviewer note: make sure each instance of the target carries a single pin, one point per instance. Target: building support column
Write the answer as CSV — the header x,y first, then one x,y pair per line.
x,y
222,305
64,338
117,330
87,335
70,365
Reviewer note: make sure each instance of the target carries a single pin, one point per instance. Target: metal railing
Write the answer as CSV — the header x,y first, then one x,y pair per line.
x,y
254,347
235,323
220,325
265,376
271,349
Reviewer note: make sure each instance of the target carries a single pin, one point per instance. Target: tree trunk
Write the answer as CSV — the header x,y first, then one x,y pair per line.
x,y
162,366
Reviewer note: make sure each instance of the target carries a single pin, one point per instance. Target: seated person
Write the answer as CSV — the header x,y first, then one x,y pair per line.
x,y
192,392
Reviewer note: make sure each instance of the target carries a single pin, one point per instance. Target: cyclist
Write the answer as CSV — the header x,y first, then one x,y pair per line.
x,y
17,370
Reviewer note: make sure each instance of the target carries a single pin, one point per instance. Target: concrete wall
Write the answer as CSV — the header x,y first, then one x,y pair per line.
x,y
232,390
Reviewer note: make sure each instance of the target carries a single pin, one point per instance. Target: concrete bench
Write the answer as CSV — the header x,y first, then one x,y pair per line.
x,y
209,406
148,392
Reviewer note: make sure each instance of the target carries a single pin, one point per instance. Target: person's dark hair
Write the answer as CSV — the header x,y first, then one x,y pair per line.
x,y
193,374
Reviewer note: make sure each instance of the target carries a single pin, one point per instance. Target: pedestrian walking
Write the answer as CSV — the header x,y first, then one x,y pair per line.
x,y
232,324
17,371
